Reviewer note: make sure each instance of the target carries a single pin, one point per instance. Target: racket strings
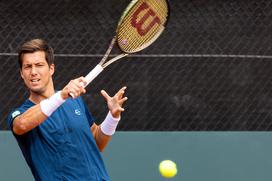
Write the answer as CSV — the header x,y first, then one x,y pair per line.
x,y
130,35
162,9
134,34
135,42
129,40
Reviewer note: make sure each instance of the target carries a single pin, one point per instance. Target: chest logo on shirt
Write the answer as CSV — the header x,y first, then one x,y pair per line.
x,y
77,112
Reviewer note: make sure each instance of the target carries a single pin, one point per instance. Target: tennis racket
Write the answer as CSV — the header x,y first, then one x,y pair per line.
x,y
140,25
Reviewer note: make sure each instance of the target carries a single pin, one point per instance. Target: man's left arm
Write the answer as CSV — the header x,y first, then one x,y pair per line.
x,y
102,133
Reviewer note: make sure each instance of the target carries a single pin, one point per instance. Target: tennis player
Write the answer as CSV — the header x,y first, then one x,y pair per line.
x,y
56,133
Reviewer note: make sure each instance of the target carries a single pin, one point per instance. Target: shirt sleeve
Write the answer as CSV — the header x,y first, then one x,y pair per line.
x,y
12,116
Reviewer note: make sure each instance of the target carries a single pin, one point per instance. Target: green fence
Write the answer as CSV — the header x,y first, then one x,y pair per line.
x,y
200,156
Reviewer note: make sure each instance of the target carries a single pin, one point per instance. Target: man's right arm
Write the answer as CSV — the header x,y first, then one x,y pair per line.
x,y
37,114
28,120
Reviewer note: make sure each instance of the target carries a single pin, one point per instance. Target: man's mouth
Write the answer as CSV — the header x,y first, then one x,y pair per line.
x,y
35,80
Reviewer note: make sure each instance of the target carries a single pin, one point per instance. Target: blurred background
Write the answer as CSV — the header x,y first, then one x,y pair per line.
x,y
199,95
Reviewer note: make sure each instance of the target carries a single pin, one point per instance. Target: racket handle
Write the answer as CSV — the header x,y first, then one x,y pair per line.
x,y
92,74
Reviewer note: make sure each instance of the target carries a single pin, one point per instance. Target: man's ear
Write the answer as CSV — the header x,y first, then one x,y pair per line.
x,y
52,69
21,74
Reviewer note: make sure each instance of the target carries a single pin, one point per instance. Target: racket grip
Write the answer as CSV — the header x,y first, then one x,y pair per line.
x,y
94,73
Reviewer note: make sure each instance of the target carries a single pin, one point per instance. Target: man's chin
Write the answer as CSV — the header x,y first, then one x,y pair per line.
x,y
36,90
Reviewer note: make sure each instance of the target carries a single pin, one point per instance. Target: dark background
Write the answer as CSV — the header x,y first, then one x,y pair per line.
x,y
210,69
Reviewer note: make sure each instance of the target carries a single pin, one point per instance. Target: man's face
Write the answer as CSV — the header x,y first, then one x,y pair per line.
x,y
35,71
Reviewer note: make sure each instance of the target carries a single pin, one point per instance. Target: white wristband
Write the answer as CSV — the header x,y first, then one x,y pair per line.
x,y
108,126
48,106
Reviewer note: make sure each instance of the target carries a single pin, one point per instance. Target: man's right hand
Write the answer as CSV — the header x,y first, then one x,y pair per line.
x,y
74,88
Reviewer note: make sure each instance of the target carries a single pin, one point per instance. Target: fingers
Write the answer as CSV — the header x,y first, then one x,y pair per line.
x,y
118,96
105,95
116,102
121,92
121,101
121,109
75,87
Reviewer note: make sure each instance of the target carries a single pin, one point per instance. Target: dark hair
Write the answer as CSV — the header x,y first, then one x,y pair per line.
x,y
36,45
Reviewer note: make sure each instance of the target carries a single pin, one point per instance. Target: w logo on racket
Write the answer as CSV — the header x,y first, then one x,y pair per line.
x,y
149,17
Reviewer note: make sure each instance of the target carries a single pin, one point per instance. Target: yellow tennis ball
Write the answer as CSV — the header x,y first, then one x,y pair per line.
x,y
168,168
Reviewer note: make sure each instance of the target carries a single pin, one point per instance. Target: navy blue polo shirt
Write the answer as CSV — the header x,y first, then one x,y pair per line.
x,y
62,147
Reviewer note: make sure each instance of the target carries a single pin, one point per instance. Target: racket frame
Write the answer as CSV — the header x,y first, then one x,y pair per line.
x,y
102,65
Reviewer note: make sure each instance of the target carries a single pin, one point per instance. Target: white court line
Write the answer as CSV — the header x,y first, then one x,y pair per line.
x,y
162,55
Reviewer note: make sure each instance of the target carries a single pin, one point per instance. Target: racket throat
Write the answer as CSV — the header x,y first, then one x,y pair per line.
x,y
114,59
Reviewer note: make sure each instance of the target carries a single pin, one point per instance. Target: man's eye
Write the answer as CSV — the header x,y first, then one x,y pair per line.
x,y
27,67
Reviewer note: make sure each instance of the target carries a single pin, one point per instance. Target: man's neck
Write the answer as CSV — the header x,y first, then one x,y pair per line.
x,y
38,97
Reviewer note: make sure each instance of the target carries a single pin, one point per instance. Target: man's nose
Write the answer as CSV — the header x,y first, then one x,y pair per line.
x,y
33,70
